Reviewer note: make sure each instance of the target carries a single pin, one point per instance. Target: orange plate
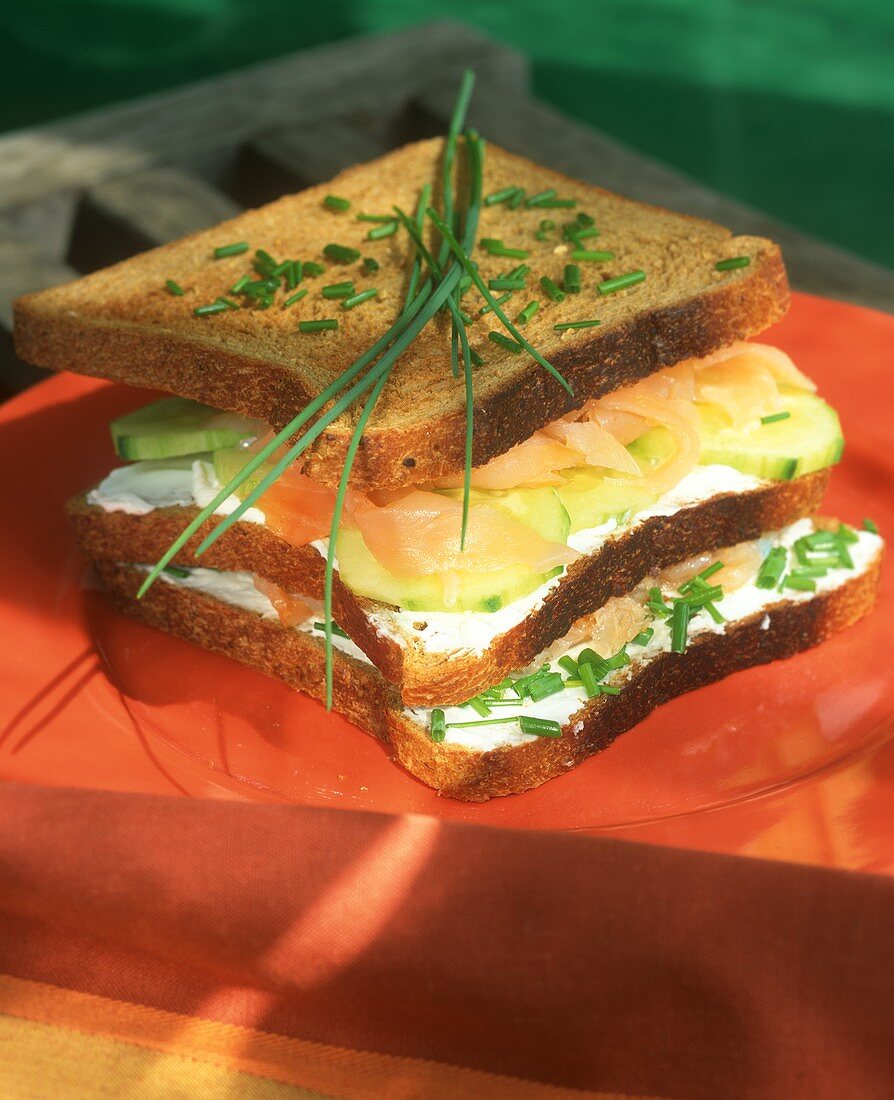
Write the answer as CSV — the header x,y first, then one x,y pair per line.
x,y
792,761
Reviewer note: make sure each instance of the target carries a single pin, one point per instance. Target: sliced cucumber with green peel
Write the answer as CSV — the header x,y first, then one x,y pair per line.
x,y
176,426
228,463
487,592
538,508
808,439
592,499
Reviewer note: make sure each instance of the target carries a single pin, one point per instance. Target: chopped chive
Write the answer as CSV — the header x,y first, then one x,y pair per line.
x,y
584,256
810,571
542,727
618,660
357,299
484,722
870,525
644,636
552,290
294,298
527,313
176,571
500,301
512,253
174,288
478,705
490,242
265,259
621,282
380,231
438,726
505,342
540,197
311,269
588,679
569,664
656,603
847,533
506,284
336,629
732,263
576,234
557,204
381,218
710,570
329,324
370,265
571,281
844,557
334,202
240,284
585,220
235,249
772,568
820,540
714,613
609,689
514,201
501,196
775,417
547,225
294,273
542,686
680,627
477,361
220,306
339,290
592,658
281,269
341,254
566,325
520,272
801,584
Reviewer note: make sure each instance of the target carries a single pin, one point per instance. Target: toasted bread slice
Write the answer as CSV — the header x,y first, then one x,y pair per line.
x,y
425,675
780,628
121,323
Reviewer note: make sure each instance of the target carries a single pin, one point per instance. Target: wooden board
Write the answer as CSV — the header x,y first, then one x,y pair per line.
x,y
79,194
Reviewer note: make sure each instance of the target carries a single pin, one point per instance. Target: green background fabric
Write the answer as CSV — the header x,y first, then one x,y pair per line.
x,y
785,104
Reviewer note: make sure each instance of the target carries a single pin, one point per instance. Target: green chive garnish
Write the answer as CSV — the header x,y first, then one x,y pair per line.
x,y
680,627
336,629
489,309
174,288
339,290
327,325
547,225
571,281
235,249
621,282
311,269
644,636
176,571
357,299
294,298
380,231
336,203
502,196
341,254
501,283
542,727
505,342
800,583
294,273
381,218
775,417
239,286
566,325
438,726
527,313
581,255
848,534
569,664
220,306
370,265
732,263
552,291
478,705
588,679
870,525
513,253
541,196
772,568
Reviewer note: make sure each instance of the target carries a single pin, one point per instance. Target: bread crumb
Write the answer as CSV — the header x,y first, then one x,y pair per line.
x,y
765,622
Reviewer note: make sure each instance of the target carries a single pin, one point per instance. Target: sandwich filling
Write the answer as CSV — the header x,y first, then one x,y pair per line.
x,y
730,422
707,594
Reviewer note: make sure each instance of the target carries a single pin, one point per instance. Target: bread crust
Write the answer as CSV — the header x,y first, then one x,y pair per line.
x,y
422,677
121,324
457,772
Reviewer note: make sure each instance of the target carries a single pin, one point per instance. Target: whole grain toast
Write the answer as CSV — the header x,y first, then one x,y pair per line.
x,y
369,701
423,677
122,323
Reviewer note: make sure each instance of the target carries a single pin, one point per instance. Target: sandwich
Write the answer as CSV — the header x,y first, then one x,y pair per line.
x,y
486,458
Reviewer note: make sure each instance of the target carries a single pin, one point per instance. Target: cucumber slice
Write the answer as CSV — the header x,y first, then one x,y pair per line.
x,y
538,508
177,426
228,463
487,592
808,439
592,499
